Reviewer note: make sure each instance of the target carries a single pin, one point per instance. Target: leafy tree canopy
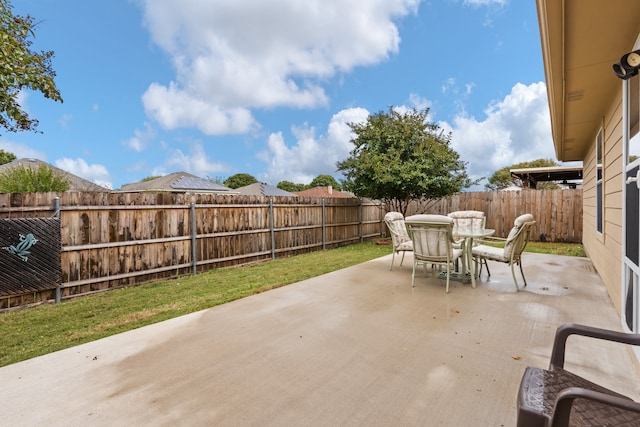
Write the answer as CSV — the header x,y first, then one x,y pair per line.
x,y
21,68
239,180
324,181
149,178
22,179
6,157
502,177
290,186
399,157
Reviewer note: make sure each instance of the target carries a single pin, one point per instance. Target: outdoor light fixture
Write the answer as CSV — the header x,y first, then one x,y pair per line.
x,y
628,65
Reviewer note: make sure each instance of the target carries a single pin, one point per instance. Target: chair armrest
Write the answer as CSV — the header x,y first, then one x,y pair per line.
x,y
491,241
564,331
565,398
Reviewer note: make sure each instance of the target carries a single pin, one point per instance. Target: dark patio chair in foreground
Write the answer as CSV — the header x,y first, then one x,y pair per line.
x,y
556,397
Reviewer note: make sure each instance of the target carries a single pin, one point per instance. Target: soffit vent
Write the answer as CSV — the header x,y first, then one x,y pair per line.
x,y
575,95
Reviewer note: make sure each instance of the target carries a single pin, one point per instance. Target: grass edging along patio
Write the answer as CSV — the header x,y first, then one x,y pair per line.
x,y
36,331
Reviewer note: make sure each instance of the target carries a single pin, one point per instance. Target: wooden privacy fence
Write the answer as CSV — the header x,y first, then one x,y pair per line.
x,y
558,213
110,240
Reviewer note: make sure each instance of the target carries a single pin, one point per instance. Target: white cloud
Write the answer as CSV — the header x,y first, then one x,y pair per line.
x,y
515,129
420,102
174,108
194,162
65,120
140,138
95,173
231,57
311,156
21,151
486,2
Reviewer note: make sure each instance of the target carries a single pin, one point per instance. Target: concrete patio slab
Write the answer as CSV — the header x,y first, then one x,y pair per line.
x,y
351,348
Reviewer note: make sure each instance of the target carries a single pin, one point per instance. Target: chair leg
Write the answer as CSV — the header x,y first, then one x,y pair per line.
x,y
522,272
393,256
413,274
482,262
513,273
403,252
446,289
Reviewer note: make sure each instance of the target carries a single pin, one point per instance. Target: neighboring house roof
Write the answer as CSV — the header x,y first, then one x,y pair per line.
x,y
75,182
178,182
578,65
262,189
323,192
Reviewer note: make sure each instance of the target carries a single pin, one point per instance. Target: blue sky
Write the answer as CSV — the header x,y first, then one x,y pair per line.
x,y
218,87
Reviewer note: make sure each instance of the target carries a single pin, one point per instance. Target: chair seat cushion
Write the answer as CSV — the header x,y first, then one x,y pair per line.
x,y
405,246
537,396
489,252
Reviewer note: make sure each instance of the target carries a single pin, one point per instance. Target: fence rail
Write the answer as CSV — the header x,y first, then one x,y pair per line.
x,y
111,240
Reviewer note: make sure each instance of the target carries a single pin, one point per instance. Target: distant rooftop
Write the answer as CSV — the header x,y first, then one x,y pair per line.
x,y
323,192
178,182
262,189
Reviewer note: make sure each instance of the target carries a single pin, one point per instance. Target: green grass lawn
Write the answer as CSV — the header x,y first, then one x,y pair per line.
x,y
46,328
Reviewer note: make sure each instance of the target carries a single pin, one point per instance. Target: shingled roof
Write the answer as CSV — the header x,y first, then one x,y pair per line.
x,y
262,189
324,193
75,182
180,182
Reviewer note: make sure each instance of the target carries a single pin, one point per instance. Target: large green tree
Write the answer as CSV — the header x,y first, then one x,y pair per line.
x,y
21,179
399,157
324,181
21,68
239,180
502,177
290,186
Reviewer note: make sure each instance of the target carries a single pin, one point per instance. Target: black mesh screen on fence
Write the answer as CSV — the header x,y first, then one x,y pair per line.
x,y
29,255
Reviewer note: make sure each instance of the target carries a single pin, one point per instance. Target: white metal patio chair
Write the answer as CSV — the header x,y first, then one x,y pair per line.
x,y
511,248
432,243
470,220
467,220
399,236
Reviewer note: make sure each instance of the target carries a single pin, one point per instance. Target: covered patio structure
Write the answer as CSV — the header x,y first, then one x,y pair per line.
x,y
355,347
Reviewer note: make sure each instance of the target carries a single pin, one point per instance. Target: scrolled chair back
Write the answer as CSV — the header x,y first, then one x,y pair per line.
x,y
396,223
468,220
518,236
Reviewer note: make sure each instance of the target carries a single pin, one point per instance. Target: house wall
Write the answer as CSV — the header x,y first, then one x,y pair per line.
x,y
605,249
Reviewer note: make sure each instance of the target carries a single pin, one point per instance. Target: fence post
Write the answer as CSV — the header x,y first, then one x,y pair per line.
x,y
324,229
360,225
273,231
193,238
56,214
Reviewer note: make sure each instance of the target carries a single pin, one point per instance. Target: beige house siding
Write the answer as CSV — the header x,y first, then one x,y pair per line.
x,y
605,250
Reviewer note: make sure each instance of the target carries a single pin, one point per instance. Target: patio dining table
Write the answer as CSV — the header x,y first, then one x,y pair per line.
x,y
468,236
